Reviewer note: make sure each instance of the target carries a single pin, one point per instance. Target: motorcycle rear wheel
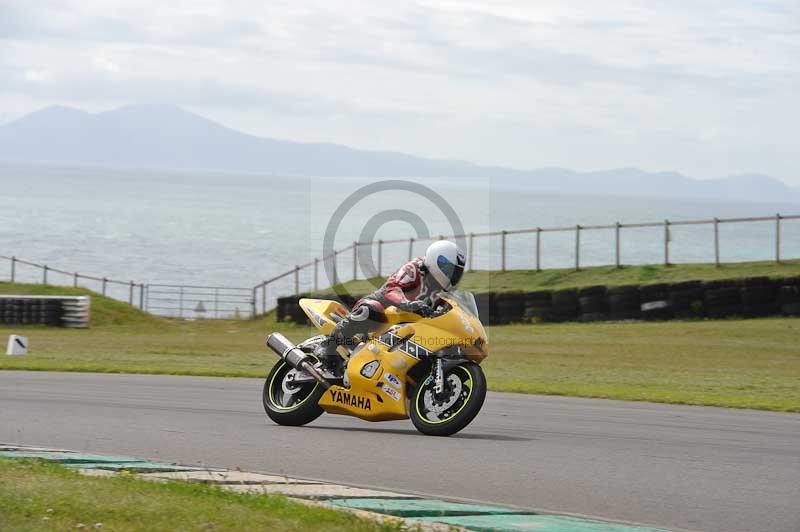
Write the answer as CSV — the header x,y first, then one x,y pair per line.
x,y
293,409
461,403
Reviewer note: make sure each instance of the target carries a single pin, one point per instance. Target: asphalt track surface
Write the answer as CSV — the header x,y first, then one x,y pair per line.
x,y
677,467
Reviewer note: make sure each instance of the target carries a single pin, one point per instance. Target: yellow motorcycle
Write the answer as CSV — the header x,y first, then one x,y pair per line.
x,y
427,369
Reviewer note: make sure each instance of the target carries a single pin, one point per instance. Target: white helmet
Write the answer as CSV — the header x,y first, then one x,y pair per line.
x,y
445,262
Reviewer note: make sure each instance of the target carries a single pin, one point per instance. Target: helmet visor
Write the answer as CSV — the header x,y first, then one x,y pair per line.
x,y
452,271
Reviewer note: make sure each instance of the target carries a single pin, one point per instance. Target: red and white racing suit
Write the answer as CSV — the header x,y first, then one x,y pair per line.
x,y
407,289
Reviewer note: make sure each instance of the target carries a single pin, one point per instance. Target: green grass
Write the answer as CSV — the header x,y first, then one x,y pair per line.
x,y
41,496
733,363
530,280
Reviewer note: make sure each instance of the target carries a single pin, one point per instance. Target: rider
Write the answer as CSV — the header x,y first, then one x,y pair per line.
x,y
412,288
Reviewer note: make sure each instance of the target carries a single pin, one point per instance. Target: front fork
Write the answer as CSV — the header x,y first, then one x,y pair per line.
x,y
438,377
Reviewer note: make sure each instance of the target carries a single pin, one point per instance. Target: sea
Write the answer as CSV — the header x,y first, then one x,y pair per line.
x,y
237,230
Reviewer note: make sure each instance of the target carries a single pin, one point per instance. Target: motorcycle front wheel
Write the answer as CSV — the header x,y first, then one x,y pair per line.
x,y
290,403
462,399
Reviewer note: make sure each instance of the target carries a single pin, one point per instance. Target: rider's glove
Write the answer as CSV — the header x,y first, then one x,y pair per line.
x,y
418,307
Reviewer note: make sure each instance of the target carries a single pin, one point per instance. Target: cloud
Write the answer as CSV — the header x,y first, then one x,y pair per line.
x,y
452,78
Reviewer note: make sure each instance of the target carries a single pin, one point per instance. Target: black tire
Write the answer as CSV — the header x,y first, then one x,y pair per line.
x,y
719,297
625,315
594,316
790,309
624,302
464,413
293,415
724,311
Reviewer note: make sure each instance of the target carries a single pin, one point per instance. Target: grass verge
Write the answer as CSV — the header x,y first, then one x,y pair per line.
x,y
732,363
36,495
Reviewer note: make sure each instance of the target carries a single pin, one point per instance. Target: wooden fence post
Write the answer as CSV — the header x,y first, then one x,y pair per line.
x,y
577,247
716,241
105,282
503,251
75,280
141,296
264,297
778,238
666,242
538,249
130,293
355,260
44,274
380,258
616,241
253,302
296,280
13,268
470,267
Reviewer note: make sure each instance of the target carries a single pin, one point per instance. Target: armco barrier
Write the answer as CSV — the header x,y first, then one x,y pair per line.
x,y
749,297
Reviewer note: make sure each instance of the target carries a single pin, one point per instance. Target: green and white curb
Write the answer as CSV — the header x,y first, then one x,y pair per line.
x,y
414,512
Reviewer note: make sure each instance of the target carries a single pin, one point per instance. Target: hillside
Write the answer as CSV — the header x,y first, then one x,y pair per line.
x,y
168,137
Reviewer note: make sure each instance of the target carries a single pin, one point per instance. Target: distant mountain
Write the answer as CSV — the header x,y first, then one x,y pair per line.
x,y
164,136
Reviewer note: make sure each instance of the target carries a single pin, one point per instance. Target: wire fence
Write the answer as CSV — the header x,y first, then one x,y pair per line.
x,y
485,251
482,252
21,270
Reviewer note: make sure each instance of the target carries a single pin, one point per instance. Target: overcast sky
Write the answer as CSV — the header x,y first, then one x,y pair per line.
x,y
706,88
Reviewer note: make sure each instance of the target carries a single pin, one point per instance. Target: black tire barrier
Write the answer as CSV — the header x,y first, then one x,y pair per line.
x,y
719,297
686,299
625,315
655,303
486,307
538,306
510,307
751,297
790,309
724,311
593,304
594,316
63,311
624,301
566,306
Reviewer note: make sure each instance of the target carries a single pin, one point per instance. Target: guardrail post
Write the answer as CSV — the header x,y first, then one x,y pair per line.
x,y
666,242
716,241
778,238
105,282
296,280
44,274
380,258
130,293
13,268
503,251
538,249
617,226
410,248
577,247
75,280
316,276
355,260
470,251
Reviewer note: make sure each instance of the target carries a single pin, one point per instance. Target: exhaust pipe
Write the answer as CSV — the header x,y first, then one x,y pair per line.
x,y
294,357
